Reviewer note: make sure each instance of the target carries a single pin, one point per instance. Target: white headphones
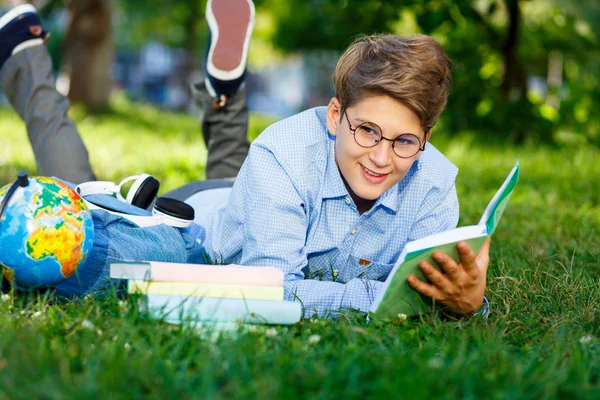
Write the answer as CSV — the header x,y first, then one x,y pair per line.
x,y
141,194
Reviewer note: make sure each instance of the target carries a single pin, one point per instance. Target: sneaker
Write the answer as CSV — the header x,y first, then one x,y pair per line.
x,y
231,23
20,28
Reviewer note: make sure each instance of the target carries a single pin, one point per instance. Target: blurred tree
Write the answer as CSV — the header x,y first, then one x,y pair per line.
x,y
89,50
498,47
88,47
176,23
89,43
328,24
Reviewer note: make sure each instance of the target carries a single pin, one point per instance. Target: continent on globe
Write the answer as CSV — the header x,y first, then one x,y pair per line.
x,y
59,242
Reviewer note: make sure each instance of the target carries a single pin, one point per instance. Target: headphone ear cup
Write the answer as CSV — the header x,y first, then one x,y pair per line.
x,y
174,208
146,193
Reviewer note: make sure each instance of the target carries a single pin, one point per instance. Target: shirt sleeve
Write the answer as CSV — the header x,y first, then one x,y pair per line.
x,y
275,231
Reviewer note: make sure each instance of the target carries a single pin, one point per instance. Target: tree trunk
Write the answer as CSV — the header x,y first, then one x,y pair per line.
x,y
89,49
514,73
184,76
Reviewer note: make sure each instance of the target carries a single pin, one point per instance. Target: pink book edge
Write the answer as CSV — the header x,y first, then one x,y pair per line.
x,y
231,274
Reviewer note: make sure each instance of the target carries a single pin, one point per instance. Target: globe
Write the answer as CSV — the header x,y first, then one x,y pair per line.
x,y
46,233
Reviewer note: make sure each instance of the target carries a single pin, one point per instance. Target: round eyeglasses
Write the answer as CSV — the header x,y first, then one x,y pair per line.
x,y
369,135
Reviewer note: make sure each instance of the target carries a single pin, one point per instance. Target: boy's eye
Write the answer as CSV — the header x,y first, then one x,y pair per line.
x,y
368,130
407,140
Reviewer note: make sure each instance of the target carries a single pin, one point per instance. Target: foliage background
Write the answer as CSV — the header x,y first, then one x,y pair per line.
x,y
495,45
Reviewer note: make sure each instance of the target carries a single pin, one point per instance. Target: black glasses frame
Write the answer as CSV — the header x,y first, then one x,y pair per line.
x,y
421,147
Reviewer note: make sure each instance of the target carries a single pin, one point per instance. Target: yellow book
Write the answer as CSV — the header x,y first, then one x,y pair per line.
x,y
192,289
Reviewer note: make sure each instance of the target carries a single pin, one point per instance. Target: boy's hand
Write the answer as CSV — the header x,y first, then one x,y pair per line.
x,y
460,286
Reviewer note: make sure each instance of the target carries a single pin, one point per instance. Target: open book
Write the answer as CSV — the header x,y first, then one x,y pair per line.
x,y
396,296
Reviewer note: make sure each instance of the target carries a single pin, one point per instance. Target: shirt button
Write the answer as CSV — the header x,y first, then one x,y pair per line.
x,y
348,201
353,231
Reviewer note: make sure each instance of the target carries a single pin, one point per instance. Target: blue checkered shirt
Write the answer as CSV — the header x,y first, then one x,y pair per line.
x,y
289,208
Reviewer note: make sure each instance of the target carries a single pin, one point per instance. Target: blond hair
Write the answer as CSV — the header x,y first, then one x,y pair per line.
x,y
413,70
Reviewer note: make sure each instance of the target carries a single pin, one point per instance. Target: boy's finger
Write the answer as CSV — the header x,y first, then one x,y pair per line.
x,y
434,276
450,267
483,257
425,289
467,257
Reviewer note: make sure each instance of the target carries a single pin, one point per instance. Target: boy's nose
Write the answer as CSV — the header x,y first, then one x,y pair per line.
x,y
381,154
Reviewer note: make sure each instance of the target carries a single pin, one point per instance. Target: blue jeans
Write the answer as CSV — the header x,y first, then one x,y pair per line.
x,y
118,239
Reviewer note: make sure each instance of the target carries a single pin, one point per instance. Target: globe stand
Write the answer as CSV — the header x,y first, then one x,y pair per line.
x,y
21,181
4,284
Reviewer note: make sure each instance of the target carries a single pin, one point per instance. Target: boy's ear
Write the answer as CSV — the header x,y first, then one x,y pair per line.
x,y
334,109
428,135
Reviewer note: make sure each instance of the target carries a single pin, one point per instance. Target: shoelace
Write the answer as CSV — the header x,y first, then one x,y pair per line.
x,y
220,102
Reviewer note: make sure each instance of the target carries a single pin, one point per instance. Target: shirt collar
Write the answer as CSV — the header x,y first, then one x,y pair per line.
x,y
389,199
333,185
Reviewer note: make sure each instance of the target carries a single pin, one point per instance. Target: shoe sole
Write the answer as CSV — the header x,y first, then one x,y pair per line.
x,y
15,12
226,59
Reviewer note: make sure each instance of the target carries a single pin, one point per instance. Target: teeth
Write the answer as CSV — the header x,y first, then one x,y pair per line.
x,y
371,172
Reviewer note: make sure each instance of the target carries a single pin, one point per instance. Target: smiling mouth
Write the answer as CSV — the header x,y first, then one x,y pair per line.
x,y
373,174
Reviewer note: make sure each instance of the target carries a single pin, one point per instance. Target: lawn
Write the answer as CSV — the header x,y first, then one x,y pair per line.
x,y
542,339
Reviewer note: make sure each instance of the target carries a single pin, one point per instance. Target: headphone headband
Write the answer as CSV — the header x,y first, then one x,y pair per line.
x,y
141,194
98,187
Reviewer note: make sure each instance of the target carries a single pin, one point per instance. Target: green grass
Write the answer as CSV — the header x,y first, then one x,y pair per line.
x,y
542,339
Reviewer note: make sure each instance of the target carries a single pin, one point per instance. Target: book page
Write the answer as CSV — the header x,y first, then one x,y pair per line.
x,y
496,206
449,236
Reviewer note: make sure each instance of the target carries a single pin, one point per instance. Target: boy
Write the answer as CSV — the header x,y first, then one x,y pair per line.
x,y
332,195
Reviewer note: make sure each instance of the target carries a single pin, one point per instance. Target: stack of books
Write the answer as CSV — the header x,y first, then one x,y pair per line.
x,y
210,293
